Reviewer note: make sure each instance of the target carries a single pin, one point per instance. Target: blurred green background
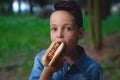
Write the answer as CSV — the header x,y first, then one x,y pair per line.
x,y
23,33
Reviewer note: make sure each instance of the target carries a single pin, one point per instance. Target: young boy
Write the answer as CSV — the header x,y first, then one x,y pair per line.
x,y
66,25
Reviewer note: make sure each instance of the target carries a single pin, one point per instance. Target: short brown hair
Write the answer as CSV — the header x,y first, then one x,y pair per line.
x,y
71,6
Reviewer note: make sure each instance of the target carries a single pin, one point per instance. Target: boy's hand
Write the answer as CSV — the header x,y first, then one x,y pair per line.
x,y
56,67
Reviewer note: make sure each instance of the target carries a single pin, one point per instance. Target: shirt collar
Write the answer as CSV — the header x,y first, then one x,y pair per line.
x,y
80,64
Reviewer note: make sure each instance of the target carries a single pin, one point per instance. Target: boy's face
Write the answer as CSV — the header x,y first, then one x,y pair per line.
x,y
64,29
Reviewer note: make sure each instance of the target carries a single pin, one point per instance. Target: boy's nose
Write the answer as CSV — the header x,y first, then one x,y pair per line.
x,y
60,34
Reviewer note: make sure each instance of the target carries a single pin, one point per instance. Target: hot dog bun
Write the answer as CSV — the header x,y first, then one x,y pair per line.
x,y
52,54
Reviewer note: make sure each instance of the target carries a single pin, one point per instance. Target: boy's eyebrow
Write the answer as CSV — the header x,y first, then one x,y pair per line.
x,y
68,24
52,24
65,23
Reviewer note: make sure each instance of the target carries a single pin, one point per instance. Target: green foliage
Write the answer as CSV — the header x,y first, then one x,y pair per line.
x,y
109,25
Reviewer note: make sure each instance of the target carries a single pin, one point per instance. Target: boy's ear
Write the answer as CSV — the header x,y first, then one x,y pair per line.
x,y
81,32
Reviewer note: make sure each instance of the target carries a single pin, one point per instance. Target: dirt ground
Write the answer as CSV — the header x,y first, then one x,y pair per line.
x,y
110,55
110,52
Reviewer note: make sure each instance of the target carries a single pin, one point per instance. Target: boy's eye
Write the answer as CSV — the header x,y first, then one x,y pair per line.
x,y
68,28
54,29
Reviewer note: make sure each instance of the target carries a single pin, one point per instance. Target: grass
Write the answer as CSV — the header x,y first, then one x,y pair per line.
x,y
111,25
22,37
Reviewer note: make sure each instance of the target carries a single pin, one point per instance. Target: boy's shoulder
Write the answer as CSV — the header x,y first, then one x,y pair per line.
x,y
40,54
86,62
91,63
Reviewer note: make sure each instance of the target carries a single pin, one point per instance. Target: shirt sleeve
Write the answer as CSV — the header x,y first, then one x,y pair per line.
x,y
37,67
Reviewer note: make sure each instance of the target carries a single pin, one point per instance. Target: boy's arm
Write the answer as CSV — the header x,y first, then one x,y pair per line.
x,y
48,71
46,74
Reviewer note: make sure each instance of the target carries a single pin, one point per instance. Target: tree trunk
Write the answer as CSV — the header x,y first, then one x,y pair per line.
x,y
31,6
105,6
97,24
91,21
6,7
94,19
19,4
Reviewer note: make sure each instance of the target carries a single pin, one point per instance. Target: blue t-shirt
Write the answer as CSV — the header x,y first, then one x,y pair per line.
x,y
84,69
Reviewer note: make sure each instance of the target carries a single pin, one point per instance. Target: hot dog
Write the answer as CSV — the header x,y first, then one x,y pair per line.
x,y
52,54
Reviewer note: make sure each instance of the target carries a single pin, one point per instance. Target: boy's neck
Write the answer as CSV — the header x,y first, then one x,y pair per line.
x,y
73,57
